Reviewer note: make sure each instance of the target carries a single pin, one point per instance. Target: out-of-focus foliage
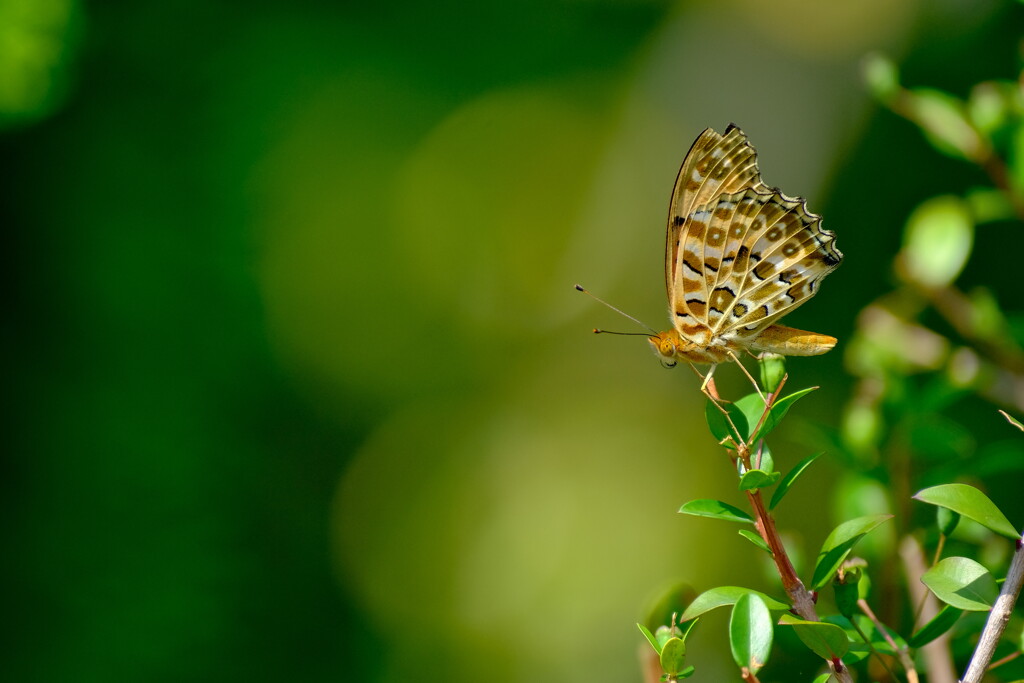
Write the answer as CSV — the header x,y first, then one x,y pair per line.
x,y
300,387
38,43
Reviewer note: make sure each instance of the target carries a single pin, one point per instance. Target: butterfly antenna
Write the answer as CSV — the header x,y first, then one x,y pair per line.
x,y
622,313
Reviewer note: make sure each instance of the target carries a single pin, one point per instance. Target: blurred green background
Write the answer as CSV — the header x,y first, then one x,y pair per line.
x,y
299,387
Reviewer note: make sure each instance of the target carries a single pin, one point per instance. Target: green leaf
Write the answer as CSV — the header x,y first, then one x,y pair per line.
x,y
943,120
946,520
828,641
839,544
790,479
962,583
937,242
756,539
752,406
778,411
686,627
750,632
773,370
823,678
727,595
762,459
847,594
663,634
673,656
881,77
758,479
650,637
715,509
1016,423
720,427
941,623
971,503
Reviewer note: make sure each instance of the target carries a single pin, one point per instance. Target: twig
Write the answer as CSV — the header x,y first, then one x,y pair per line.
x,y
801,598
938,661
1005,660
997,618
905,660
748,676
873,649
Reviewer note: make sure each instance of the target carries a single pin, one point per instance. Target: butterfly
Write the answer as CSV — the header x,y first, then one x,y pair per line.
x,y
738,256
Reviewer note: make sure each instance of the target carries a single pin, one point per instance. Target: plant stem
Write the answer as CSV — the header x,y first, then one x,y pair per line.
x,y
901,653
997,618
937,659
799,596
1005,660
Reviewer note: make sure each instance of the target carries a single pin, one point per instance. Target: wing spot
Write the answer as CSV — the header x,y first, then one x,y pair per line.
x,y
690,263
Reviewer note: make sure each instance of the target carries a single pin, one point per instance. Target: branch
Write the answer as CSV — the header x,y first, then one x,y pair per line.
x,y
802,599
938,661
905,661
997,618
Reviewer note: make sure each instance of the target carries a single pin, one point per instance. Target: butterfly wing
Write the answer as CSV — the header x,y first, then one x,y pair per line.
x,y
716,164
764,255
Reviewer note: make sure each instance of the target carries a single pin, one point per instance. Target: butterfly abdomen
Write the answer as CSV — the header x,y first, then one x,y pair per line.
x,y
789,341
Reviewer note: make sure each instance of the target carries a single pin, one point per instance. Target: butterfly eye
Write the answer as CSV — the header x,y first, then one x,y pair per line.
x,y
665,350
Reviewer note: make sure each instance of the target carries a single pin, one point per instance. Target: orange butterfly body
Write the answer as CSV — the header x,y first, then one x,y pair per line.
x,y
738,256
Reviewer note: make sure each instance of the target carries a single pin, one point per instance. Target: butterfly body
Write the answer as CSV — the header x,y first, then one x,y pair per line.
x,y
738,256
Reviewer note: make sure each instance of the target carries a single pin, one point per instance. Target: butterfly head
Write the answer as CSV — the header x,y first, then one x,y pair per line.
x,y
670,348
665,345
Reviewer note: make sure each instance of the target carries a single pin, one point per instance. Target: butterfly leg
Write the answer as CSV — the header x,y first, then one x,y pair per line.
x,y
749,376
707,385
709,389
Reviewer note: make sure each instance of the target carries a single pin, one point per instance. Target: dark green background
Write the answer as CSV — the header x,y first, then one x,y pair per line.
x,y
299,388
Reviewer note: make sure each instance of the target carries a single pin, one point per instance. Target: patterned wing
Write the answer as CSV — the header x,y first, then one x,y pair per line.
x,y
715,165
749,258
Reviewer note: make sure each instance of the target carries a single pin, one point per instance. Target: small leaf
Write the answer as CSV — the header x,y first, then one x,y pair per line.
x,y
881,77
673,656
828,641
773,370
750,632
937,242
756,539
719,425
943,120
823,678
1016,423
790,479
778,411
752,406
839,544
665,633
686,627
758,479
715,509
847,594
962,583
946,520
727,595
650,637
971,503
940,623
762,459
